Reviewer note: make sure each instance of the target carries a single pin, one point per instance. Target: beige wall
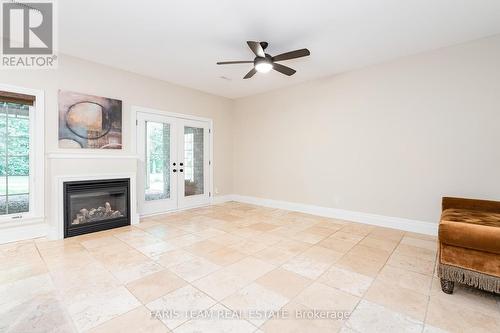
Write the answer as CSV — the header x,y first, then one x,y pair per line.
x,y
389,139
91,78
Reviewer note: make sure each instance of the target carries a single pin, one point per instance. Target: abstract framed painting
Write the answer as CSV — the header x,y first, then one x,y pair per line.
x,y
89,122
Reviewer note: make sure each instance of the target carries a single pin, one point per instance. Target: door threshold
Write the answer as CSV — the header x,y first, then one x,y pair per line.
x,y
175,210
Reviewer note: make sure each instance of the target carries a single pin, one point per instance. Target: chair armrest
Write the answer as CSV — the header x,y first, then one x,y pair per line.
x,y
472,204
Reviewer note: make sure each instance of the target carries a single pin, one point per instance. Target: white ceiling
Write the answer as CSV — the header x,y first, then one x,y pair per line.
x,y
180,41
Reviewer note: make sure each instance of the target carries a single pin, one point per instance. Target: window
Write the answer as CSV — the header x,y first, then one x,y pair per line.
x,y
21,154
14,158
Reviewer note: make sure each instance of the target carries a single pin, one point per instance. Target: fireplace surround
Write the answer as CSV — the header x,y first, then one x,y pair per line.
x,y
95,205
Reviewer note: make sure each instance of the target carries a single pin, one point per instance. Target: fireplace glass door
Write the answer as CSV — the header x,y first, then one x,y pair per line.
x,y
95,206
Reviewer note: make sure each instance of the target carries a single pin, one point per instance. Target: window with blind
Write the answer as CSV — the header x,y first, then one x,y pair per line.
x,y
15,153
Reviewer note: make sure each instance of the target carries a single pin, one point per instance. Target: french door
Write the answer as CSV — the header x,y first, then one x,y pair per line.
x,y
174,163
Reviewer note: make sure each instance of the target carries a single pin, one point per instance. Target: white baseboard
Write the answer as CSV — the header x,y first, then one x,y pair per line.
x,y
422,227
213,201
23,232
221,199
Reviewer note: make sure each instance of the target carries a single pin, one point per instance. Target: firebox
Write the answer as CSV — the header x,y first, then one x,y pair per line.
x,y
95,205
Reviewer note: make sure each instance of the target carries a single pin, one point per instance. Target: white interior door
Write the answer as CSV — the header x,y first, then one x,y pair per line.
x,y
194,159
174,163
157,149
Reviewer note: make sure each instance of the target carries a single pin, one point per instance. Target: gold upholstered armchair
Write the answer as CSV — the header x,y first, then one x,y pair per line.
x,y
469,244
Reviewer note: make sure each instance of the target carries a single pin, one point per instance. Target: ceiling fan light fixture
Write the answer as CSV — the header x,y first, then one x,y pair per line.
x,y
263,66
263,62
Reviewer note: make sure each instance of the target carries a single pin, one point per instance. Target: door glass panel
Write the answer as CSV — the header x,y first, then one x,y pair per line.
x,y
193,161
157,161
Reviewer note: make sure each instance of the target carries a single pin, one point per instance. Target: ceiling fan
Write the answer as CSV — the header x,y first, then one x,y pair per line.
x,y
263,62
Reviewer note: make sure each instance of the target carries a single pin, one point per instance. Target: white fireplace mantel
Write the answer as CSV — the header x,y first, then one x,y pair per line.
x,y
56,229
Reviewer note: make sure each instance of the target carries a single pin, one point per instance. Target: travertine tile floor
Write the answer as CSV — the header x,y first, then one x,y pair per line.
x,y
235,257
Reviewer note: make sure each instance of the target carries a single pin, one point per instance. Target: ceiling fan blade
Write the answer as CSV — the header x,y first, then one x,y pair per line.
x,y
256,49
283,69
251,73
234,62
292,55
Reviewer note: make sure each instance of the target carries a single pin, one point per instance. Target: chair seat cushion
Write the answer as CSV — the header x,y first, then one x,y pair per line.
x,y
472,229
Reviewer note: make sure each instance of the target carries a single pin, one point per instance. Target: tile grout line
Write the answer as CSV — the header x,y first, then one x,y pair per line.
x,y
429,292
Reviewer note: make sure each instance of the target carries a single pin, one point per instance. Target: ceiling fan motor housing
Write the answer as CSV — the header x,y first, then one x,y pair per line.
x,y
268,59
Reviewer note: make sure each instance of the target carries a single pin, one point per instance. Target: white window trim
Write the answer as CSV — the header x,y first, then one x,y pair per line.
x,y
37,160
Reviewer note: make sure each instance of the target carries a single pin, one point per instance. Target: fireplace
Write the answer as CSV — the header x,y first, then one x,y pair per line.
x,y
95,205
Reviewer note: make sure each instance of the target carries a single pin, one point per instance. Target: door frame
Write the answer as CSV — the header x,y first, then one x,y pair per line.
x,y
133,137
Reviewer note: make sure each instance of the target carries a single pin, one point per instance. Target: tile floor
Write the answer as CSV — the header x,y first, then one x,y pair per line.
x,y
235,257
